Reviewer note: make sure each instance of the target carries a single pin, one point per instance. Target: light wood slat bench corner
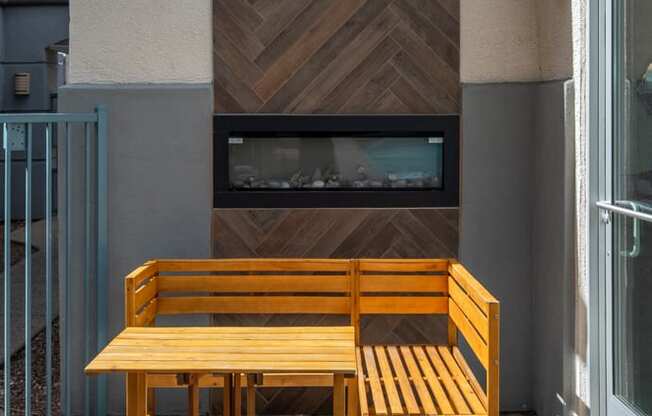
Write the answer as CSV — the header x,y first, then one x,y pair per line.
x,y
391,379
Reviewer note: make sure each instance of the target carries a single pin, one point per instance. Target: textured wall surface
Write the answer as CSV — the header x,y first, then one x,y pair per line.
x,y
346,56
515,40
499,41
555,39
148,41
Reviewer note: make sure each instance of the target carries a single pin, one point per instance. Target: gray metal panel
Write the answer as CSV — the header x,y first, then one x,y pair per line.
x,y
160,189
553,200
496,218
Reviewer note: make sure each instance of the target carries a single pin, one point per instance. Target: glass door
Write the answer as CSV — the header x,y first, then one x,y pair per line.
x,y
626,211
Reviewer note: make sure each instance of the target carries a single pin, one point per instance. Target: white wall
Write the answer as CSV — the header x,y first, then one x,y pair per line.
x,y
141,41
515,40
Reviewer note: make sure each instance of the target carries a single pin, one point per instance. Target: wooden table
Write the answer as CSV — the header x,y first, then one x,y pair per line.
x,y
191,352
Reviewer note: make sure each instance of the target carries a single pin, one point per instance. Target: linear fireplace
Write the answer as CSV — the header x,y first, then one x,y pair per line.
x,y
286,161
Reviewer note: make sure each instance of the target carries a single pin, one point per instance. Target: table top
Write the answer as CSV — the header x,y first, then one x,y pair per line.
x,y
229,349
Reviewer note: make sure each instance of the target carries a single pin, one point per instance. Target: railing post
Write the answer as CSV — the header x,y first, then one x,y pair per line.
x,y
102,246
7,268
28,272
48,265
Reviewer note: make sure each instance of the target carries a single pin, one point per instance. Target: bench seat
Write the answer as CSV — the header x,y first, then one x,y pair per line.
x,y
417,380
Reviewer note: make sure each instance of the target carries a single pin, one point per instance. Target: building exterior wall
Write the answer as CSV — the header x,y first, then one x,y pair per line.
x,y
515,57
26,30
141,41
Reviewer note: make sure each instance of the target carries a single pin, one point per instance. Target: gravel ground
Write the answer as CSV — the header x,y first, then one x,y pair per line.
x,y
17,250
39,385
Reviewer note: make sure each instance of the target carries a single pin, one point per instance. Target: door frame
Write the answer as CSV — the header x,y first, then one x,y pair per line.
x,y
605,29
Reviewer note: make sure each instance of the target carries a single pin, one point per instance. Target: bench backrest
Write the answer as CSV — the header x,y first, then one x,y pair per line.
x,y
238,286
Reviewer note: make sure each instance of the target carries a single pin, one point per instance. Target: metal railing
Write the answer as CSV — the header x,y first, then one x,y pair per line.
x,y
86,148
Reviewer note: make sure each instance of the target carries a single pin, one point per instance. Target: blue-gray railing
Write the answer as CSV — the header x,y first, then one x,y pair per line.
x,y
92,138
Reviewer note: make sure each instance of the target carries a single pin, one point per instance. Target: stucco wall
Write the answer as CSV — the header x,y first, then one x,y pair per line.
x,y
554,34
515,40
140,41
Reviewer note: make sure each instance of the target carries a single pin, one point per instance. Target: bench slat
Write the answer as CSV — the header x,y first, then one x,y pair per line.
x,y
145,293
477,318
403,382
417,380
254,265
403,305
254,305
475,290
388,380
255,283
442,371
433,380
462,383
459,358
362,385
407,265
374,382
474,339
403,283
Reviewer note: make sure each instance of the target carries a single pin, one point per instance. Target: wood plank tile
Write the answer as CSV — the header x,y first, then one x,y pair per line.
x,y
432,36
410,97
305,75
358,77
290,34
305,47
244,39
440,18
241,66
278,18
452,8
362,99
243,13
440,73
389,103
413,73
353,55
228,80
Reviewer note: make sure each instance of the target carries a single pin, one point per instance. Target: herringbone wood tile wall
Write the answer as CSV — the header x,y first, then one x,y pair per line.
x,y
336,56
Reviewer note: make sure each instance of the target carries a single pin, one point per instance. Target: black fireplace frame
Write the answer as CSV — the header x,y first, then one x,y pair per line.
x,y
239,125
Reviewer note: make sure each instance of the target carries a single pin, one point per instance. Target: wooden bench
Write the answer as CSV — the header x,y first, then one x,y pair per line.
x,y
427,379
392,379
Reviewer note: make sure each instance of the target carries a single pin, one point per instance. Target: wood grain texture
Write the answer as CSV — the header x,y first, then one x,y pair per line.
x,y
336,233
344,56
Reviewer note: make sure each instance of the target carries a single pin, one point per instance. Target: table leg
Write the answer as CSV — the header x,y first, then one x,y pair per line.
x,y
237,394
136,400
352,404
142,394
193,395
132,394
228,387
338,395
251,395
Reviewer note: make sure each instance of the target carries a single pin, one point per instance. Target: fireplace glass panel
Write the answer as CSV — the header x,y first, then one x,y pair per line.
x,y
315,163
